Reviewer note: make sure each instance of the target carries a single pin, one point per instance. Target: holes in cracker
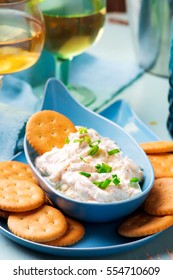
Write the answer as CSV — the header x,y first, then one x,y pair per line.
x,y
39,123
52,120
66,129
13,166
53,134
19,174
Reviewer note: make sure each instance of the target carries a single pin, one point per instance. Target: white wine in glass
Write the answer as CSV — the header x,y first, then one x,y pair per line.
x,y
72,26
22,34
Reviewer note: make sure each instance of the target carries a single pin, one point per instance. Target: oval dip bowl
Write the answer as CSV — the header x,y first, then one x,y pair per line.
x,y
57,98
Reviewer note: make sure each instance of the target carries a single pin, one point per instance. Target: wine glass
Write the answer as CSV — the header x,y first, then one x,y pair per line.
x,y
22,34
72,26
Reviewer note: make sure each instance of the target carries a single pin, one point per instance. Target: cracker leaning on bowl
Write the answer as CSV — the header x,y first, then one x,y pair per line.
x,y
48,129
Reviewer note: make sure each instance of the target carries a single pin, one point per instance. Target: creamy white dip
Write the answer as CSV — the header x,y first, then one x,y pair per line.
x,y
91,168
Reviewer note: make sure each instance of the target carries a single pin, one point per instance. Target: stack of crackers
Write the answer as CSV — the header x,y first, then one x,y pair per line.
x,y
157,211
29,212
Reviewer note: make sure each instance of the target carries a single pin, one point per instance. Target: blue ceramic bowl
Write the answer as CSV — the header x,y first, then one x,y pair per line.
x,y
57,98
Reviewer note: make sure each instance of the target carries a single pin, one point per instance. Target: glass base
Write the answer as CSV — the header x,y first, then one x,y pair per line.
x,y
83,95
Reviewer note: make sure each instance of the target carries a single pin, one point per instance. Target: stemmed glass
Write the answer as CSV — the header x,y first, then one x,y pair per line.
x,y
72,26
22,34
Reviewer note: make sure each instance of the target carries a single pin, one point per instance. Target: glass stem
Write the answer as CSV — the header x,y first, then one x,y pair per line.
x,y
1,77
62,70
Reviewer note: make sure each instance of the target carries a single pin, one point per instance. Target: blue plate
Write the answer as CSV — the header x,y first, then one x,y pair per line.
x,y
99,239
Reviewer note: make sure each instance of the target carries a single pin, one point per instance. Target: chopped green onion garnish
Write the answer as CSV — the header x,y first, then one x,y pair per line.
x,y
67,141
80,140
134,180
94,147
93,150
85,174
115,180
94,143
87,139
83,130
82,159
103,168
102,185
114,151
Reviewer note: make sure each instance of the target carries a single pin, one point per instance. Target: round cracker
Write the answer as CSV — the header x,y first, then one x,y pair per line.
x,y
40,225
143,224
48,129
74,233
157,147
162,164
160,199
16,170
20,195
